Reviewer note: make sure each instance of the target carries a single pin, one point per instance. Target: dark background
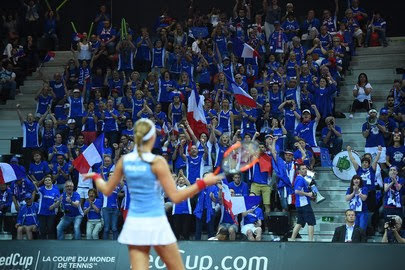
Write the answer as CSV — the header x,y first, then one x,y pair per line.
x,y
145,13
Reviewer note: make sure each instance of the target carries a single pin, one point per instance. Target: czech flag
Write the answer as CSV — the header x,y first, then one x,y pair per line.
x,y
249,52
195,113
10,172
241,96
92,155
50,56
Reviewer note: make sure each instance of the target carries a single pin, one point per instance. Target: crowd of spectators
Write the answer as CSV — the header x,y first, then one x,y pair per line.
x,y
119,75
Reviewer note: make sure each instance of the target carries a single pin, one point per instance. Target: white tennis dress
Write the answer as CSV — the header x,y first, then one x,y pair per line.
x,y
146,223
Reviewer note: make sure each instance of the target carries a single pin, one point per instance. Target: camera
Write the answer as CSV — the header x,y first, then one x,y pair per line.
x,y
391,223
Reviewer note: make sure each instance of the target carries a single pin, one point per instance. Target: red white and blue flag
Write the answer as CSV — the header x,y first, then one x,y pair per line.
x,y
76,37
50,56
10,172
227,200
249,52
91,156
241,96
195,113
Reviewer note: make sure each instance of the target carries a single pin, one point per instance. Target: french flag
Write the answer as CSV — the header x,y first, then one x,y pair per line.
x,y
227,200
241,96
10,172
242,204
76,37
195,113
92,155
50,56
249,52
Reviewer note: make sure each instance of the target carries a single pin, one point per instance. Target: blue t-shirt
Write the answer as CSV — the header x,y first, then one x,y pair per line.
x,y
375,137
65,168
68,208
392,198
47,197
194,167
356,203
112,200
368,177
333,136
39,170
92,214
251,218
301,185
307,132
19,191
397,156
241,190
28,215
183,207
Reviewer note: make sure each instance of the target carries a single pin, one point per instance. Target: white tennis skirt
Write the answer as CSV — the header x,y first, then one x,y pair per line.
x,y
147,231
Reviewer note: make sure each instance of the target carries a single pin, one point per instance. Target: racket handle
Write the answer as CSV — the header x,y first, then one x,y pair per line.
x,y
217,170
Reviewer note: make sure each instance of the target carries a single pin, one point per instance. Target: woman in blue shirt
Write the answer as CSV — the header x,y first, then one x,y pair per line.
x,y
92,209
147,224
27,220
356,195
48,205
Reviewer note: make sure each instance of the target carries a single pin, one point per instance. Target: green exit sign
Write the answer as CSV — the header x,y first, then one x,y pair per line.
x,y
328,219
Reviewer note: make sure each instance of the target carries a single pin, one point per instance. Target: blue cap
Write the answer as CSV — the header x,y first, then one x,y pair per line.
x,y
383,111
28,196
276,22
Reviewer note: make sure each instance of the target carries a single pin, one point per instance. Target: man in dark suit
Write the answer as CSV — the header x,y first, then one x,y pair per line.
x,y
349,232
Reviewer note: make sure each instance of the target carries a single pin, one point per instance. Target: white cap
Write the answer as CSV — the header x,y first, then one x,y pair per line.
x,y
71,121
306,110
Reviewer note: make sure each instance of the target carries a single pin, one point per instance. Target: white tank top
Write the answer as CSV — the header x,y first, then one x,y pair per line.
x,y
85,53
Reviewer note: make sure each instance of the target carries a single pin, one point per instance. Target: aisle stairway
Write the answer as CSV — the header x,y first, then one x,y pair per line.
x,y
378,63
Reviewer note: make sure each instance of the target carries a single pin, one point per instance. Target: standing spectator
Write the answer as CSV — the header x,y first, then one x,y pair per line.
x,y
239,188
73,214
31,17
51,20
362,93
278,40
61,171
349,232
6,199
323,95
356,195
92,208
110,212
48,205
305,214
101,18
331,136
306,129
392,189
84,49
143,53
38,169
182,212
20,188
367,172
27,220
396,154
373,130
272,13
107,35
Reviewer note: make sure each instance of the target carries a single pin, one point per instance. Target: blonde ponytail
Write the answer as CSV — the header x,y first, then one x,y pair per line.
x,y
142,127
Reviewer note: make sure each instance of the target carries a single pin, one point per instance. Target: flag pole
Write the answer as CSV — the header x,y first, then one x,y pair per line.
x,y
61,5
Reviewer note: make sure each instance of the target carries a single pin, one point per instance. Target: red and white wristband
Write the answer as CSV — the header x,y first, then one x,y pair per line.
x,y
96,176
200,184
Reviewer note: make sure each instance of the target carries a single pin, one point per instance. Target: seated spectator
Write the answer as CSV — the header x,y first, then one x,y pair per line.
x,y
357,195
92,209
61,170
394,234
349,233
73,213
8,84
27,220
331,136
107,35
377,25
362,93
252,222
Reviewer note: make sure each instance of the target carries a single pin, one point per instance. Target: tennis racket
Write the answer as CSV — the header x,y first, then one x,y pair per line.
x,y
239,157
